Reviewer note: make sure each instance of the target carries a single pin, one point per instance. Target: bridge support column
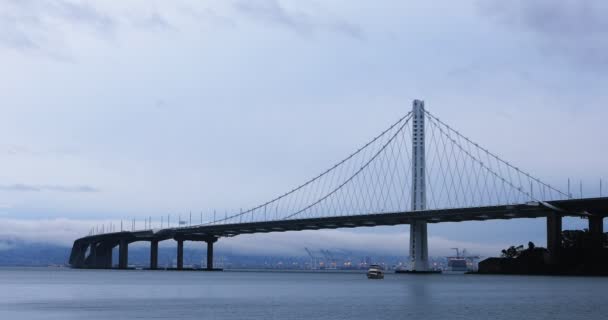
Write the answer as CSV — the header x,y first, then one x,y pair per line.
x,y
153,254
78,255
104,255
554,237
596,229
123,254
91,260
108,259
419,251
180,254
210,253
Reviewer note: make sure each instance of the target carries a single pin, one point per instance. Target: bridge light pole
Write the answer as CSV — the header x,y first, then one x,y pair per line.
x,y
418,229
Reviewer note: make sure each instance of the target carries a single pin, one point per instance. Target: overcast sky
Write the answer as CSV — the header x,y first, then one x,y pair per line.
x,y
122,109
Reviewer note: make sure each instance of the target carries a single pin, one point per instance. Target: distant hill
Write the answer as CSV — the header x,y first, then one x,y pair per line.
x,y
20,253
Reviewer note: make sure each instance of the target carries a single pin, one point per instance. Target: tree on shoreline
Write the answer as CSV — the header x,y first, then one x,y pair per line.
x,y
512,252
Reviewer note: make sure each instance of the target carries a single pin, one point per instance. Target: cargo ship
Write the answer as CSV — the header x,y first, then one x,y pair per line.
x,y
461,262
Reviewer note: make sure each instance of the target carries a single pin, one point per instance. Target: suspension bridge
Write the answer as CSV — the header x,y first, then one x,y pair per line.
x,y
419,170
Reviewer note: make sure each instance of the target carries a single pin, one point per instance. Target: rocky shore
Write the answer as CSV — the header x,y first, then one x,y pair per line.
x,y
576,257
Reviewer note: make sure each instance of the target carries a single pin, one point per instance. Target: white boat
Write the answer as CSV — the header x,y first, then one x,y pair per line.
x,y
375,272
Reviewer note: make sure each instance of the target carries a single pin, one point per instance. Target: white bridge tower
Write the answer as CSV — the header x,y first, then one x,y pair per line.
x,y
419,257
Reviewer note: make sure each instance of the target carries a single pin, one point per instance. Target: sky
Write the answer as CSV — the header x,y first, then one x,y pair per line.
x,y
133,109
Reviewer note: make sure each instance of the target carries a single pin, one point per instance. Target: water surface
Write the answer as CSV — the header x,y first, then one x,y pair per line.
x,y
40,293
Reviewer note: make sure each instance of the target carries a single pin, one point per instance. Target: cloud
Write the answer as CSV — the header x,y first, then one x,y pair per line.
x,y
34,24
56,188
47,26
11,35
56,231
6,245
153,21
26,151
206,15
572,28
377,243
564,18
273,12
13,150
78,12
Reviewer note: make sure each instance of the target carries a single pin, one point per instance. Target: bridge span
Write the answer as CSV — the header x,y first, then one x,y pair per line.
x,y
418,171
95,251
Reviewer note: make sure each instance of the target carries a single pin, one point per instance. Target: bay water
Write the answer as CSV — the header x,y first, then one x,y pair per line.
x,y
60,293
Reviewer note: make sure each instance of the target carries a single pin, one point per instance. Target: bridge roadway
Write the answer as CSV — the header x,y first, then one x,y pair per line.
x,y
95,251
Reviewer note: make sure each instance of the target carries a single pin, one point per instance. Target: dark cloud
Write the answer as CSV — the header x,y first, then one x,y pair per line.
x,y
577,29
272,11
56,188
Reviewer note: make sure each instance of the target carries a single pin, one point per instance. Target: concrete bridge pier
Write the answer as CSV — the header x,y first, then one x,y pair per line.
x,y
78,255
104,255
419,256
210,243
180,254
123,254
91,260
153,254
419,260
100,256
596,229
554,236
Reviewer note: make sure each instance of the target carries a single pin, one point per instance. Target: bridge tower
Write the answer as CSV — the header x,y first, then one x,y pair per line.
x,y
418,231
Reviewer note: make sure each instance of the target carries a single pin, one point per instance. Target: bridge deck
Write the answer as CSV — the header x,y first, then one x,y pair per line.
x,y
574,207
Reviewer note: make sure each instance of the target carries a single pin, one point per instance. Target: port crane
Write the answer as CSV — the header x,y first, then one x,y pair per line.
x,y
464,254
313,266
329,258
